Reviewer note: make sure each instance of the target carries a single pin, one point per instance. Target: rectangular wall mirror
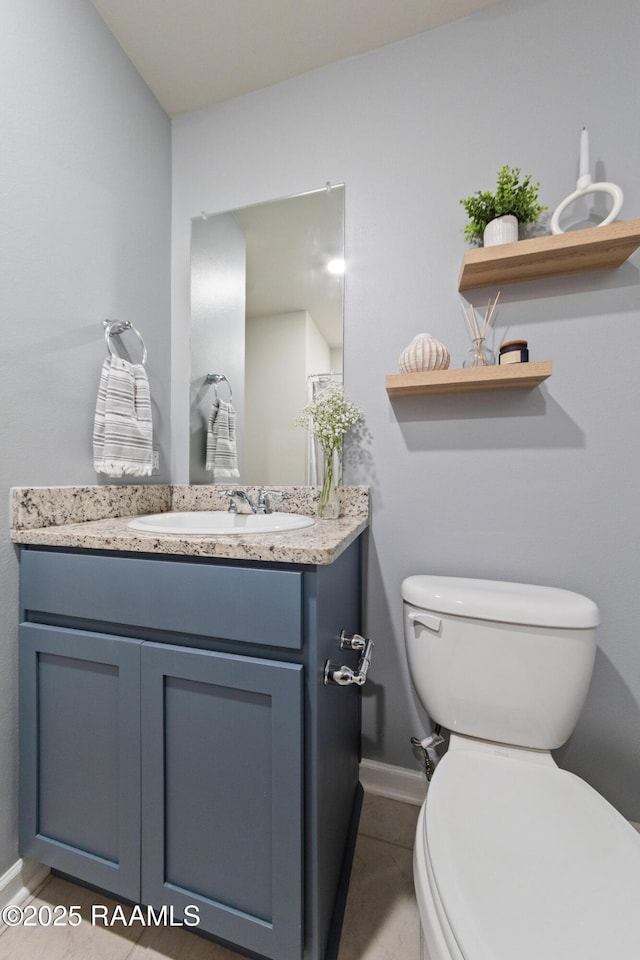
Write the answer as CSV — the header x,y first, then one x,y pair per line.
x,y
267,305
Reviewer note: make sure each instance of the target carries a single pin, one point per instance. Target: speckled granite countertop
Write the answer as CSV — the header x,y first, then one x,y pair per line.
x,y
96,518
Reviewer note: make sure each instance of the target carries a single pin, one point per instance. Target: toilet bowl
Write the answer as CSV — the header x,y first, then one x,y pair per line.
x,y
514,858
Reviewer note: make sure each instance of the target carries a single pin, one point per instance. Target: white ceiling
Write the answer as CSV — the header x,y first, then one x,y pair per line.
x,y
194,53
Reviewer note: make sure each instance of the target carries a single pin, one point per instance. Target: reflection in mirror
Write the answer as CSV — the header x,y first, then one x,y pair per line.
x,y
267,314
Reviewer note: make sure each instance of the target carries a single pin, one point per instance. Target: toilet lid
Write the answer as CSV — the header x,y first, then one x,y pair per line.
x,y
530,863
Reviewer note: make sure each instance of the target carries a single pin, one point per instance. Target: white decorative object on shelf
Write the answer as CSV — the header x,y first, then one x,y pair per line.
x,y
501,230
424,353
585,186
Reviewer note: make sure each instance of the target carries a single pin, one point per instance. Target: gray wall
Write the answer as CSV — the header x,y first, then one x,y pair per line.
x,y
85,183
541,486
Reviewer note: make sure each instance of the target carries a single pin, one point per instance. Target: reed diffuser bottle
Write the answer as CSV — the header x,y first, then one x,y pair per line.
x,y
480,354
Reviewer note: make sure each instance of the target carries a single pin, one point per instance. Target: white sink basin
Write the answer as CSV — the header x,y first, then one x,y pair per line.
x,y
206,523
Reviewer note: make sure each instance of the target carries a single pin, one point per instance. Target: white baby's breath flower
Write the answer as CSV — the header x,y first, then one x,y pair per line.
x,y
330,417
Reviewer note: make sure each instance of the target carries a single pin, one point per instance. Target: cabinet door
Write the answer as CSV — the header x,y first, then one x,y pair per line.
x,y
80,755
222,794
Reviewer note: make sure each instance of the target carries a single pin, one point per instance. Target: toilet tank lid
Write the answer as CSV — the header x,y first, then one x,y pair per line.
x,y
501,601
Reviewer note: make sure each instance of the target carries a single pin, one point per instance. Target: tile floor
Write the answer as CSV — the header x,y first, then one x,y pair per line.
x,y
381,920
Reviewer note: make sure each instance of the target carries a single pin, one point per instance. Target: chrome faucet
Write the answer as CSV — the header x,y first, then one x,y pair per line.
x,y
240,502
264,505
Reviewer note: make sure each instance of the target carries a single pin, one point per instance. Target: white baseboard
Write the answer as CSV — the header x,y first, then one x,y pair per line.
x,y
395,783
20,882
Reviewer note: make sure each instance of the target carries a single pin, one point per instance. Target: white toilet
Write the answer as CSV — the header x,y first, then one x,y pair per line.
x,y
515,859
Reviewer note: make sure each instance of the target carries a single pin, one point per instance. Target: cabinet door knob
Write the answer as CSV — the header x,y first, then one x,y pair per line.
x,y
344,676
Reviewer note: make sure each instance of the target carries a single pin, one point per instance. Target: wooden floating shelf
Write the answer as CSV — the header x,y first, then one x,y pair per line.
x,y
594,248
511,376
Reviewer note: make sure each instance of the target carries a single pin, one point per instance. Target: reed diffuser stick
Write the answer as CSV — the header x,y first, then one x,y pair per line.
x,y
466,320
488,317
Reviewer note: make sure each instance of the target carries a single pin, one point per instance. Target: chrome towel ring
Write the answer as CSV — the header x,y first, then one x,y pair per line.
x,y
215,378
113,328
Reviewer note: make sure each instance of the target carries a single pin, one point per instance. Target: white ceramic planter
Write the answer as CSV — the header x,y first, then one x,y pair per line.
x,y
501,230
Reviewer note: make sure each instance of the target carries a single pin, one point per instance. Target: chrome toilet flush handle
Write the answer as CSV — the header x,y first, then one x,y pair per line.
x,y
344,676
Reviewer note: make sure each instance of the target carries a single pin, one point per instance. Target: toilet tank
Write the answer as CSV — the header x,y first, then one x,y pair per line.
x,y
509,662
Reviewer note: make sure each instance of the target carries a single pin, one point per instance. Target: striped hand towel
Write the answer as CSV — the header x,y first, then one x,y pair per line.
x,y
222,453
122,432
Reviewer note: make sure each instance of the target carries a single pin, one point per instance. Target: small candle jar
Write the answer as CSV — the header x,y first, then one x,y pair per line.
x,y
514,351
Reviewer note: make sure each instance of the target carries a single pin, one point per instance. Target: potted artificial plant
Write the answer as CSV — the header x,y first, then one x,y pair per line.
x,y
494,217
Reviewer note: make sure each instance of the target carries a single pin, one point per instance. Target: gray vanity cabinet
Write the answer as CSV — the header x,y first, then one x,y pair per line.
x,y
222,793
80,754
178,745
